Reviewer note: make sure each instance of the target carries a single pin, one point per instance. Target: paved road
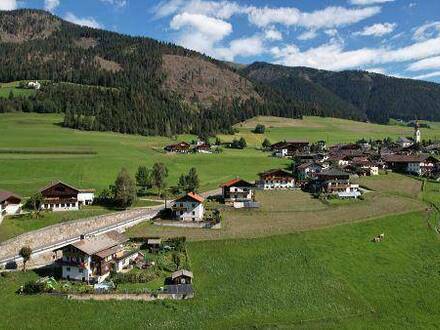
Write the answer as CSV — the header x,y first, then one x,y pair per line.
x,y
127,219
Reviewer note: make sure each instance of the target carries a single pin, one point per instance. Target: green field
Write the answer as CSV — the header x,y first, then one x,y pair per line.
x,y
6,88
35,149
265,268
332,278
331,130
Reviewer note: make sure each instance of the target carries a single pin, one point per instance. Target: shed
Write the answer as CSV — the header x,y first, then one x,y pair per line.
x,y
182,277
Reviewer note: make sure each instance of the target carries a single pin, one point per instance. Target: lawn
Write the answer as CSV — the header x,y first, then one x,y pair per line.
x,y
331,278
14,226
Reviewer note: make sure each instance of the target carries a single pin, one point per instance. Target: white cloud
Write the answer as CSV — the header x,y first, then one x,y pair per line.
x,y
428,75
218,9
85,21
426,64
116,3
329,17
333,56
213,28
377,70
368,2
50,5
244,47
203,33
273,34
377,30
426,31
8,4
308,35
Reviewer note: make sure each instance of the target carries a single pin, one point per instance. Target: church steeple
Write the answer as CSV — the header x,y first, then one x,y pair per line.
x,y
417,133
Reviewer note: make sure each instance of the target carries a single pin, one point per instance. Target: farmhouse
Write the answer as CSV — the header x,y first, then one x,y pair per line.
x,y
335,181
308,170
413,164
10,204
189,208
92,259
276,179
182,148
204,148
238,193
289,148
59,196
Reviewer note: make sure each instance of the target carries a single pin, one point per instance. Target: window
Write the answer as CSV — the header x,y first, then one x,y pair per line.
x,y
81,271
68,269
194,213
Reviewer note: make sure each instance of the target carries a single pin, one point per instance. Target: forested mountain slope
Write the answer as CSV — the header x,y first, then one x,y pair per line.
x,y
103,80
372,96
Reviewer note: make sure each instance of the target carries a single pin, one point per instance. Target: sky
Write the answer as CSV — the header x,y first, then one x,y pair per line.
x,y
395,37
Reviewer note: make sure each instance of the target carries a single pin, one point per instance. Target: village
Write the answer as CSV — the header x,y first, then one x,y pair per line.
x,y
159,267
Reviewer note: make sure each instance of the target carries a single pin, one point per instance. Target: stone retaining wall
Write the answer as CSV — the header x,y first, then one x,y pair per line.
x,y
63,231
129,296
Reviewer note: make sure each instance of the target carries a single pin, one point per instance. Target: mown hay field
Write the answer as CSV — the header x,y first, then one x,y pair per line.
x,y
292,211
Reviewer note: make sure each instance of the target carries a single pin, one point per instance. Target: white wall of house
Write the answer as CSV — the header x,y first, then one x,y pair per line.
x,y
13,209
242,194
86,198
193,211
76,273
281,153
59,207
276,184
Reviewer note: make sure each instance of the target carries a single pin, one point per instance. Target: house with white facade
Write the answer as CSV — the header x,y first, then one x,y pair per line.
x,y
92,259
10,204
59,196
238,193
276,179
189,208
412,164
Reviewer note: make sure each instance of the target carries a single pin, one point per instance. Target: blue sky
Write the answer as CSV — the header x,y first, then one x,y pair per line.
x,y
394,37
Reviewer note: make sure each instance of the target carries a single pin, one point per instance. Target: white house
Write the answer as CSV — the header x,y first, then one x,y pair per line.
x,y
59,196
10,204
92,259
189,208
34,84
404,142
238,193
277,179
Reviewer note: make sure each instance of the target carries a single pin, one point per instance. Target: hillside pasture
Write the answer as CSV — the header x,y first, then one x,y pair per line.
x,y
7,88
332,278
30,148
331,130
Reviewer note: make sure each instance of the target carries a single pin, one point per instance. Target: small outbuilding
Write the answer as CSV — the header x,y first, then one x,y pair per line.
x,y
182,277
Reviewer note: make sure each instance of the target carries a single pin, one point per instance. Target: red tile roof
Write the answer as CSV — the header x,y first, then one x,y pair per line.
x,y
193,196
232,182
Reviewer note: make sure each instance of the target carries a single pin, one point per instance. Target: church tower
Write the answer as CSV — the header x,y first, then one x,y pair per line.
x,y
417,133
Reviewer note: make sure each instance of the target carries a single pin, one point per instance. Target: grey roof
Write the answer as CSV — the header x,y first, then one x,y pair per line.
x,y
179,289
5,195
182,272
100,243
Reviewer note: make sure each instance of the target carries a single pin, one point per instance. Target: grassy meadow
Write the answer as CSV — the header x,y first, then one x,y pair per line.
x,y
331,130
35,149
6,88
329,278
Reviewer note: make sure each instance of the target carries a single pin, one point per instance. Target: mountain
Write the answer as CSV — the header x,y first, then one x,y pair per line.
x,y
107,81
371,96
